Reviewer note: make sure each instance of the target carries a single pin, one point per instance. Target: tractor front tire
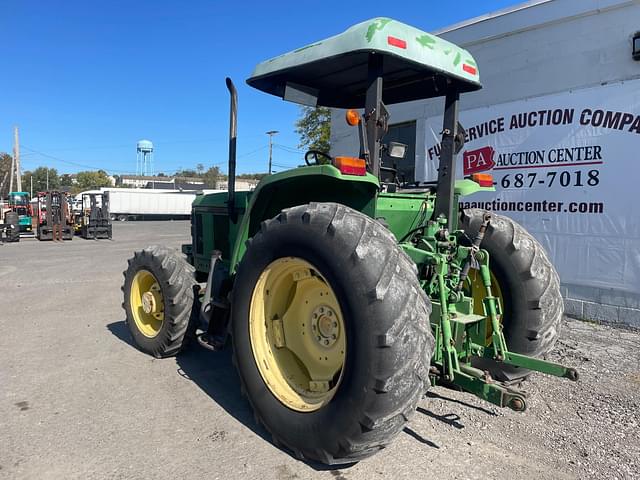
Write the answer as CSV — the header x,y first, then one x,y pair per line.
x,y
529,286
158,300
13,229
326,257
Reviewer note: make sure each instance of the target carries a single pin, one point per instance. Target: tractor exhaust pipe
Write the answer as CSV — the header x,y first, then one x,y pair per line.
x,y
233,135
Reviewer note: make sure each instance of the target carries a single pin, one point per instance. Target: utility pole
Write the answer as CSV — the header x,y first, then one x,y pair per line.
x,y
47,178
271,133
16,154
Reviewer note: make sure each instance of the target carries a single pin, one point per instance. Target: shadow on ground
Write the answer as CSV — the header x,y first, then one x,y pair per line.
x,y
431,394
214,373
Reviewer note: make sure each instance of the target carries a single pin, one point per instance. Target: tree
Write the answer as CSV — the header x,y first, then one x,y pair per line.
x,y
200,169
251,176
211,177
66,180
187,172
89,180
39,176
5,177
314,128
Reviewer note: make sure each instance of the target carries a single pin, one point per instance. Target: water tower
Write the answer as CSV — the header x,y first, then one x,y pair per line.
x,y
144,158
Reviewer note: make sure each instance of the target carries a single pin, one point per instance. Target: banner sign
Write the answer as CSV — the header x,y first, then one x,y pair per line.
x,y
567,167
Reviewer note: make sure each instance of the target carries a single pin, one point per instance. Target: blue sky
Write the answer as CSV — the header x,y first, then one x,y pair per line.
x,y
84,80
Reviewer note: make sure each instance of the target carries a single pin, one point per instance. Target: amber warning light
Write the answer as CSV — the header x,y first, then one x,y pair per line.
x,y
351,166
483,179
353,117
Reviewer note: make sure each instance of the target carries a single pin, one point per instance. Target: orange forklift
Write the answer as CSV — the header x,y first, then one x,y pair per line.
x,y
54,216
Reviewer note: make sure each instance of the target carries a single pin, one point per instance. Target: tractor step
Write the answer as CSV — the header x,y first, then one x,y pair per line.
x,y
214,343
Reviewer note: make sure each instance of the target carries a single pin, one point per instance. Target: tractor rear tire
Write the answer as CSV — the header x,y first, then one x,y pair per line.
x,y
530,287
13,229
385,314
166,273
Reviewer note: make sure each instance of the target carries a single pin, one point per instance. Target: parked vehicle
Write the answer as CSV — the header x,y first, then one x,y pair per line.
x,y
54,217
347,292
19,203
94,221
146,204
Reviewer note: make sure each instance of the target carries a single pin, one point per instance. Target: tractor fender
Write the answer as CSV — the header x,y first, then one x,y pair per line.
x,y
317,183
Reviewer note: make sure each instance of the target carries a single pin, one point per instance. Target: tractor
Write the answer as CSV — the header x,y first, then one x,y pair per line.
x,y
343,290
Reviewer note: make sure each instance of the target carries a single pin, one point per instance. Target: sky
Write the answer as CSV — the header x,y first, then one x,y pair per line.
x,y
85,80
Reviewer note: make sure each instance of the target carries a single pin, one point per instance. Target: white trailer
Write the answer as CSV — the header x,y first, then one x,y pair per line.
x,y
146,204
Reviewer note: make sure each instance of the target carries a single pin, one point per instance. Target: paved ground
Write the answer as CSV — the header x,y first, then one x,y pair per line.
x,y
78,401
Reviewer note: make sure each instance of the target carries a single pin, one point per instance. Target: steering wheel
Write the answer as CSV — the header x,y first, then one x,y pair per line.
x,y
318,157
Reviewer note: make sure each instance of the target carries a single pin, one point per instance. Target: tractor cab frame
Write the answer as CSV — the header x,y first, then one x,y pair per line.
x,y
372,65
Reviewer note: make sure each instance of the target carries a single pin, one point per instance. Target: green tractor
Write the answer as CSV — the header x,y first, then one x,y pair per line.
x,y
344,292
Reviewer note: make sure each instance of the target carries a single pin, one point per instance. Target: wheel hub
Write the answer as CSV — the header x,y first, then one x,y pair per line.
x,y
297,333
324,324
151,300
147,303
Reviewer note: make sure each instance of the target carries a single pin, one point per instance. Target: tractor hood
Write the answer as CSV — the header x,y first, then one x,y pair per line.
x,y
333,72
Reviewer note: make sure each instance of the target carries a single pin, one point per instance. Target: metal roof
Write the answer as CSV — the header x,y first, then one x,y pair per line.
x,y
333,72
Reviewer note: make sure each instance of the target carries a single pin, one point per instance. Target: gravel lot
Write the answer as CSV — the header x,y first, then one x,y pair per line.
x,y
77,400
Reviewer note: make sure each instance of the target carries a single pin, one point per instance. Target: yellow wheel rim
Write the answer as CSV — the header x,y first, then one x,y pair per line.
x,y
478,292
297,334
147,303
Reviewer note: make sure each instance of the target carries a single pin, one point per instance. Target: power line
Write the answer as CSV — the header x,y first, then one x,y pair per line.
x,y
252,151
128,145
284,166
288,148
113,171
67,161
96,147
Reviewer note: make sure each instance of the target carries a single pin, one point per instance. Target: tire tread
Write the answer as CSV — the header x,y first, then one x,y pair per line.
x,y
393,396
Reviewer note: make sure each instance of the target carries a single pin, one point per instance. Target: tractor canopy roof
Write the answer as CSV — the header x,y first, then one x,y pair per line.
x,y
334,72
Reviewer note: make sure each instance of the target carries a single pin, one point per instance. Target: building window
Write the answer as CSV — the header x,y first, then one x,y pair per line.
x,y
403,133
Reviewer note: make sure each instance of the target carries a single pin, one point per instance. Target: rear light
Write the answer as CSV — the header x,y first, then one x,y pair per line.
x,y
483,179
396,42
469,69
351,165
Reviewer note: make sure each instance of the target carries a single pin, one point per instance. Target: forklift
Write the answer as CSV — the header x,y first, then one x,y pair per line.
x,y
94,221
19,204
54,216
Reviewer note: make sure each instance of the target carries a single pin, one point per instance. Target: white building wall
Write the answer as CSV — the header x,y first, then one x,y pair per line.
x,y
538,48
